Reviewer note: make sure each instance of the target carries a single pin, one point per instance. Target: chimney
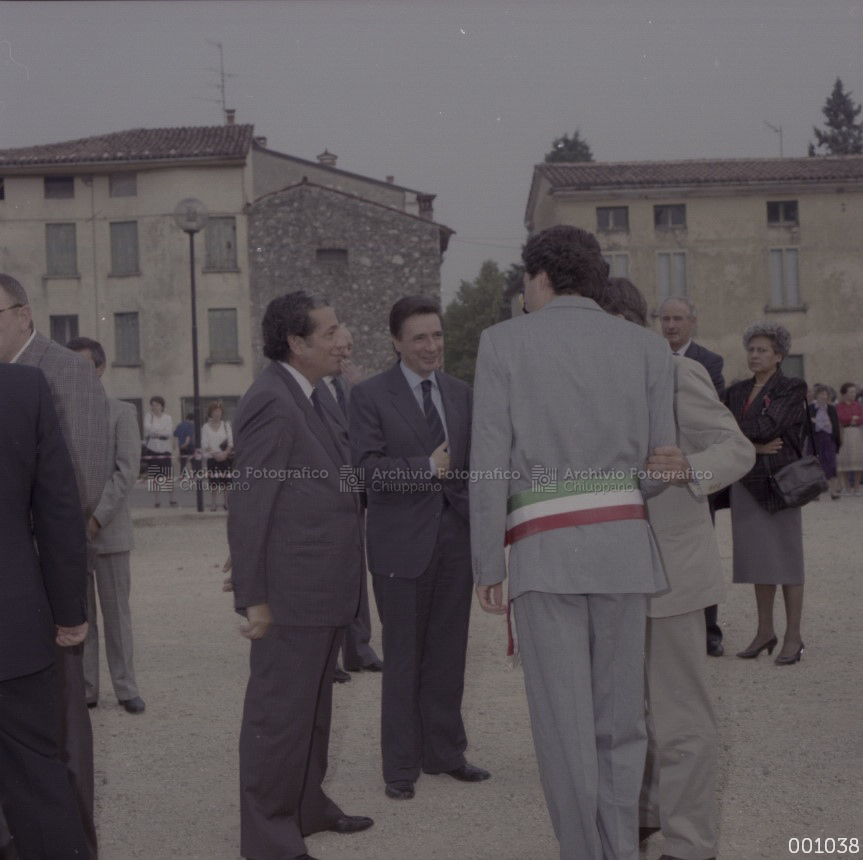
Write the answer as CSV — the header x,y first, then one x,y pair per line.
x,y
391,180
327,158
230,115
261,141
426,210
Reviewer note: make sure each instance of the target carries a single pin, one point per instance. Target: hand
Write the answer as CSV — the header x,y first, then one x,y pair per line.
x,y
220,456
771,447
228,581
855,420
69,636
259,619
93,527
440,458
491,598
670,465
351,373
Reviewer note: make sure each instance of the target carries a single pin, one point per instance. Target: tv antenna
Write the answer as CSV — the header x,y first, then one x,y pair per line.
x,y
778,130
223,76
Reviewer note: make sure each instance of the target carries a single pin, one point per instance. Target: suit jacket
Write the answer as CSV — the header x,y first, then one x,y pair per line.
x,y
295,538
712,361
568,387
779,409
835,429
719,454
124,449
391,442
82,407
42,582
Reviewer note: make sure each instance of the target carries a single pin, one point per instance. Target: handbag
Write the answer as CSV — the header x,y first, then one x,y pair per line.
x,y
802,481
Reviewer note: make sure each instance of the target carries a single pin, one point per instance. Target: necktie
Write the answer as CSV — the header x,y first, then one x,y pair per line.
x,y
432,415
340,397
316,402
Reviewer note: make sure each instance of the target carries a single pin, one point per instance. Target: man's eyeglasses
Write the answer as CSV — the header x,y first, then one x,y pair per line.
x,y
11,307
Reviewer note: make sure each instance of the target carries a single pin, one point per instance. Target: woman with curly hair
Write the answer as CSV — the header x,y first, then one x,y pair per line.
x,y
771,410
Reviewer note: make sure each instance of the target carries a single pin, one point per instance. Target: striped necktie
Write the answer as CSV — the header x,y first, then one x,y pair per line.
x,y
432,415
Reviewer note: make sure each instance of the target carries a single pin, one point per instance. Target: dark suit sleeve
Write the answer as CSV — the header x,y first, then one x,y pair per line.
x,y
715,371
58,525
784,412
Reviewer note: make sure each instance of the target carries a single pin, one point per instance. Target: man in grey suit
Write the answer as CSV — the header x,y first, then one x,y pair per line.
x,y
569,403
679,791
678,318
297,557
410,436
82,408
110,530
357,653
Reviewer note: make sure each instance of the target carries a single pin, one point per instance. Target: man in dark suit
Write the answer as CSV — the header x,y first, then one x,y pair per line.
x,y
334,392
297,555
678,318
43,596
410,436
82,408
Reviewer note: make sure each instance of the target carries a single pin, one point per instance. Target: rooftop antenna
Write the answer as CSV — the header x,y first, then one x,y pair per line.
x,y
223,76
778,130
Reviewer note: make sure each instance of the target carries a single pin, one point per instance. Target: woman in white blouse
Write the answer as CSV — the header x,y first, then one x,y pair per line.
x,y
217,446
158,444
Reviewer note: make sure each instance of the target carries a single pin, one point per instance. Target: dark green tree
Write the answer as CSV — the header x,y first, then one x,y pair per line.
x,y
568,148
842,133
478,305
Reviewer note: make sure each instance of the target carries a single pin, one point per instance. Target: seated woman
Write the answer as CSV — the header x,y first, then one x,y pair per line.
x,y
825,429
768,536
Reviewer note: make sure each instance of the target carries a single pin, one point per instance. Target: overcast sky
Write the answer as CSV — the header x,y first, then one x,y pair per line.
x,y
459,98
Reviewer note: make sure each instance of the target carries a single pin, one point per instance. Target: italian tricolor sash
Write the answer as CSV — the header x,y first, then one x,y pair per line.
x,y
585,502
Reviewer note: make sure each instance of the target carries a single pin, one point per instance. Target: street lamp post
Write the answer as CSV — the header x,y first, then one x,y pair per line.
x,y
191,217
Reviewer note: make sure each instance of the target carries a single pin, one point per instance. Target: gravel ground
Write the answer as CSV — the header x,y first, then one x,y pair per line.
x,y
166,781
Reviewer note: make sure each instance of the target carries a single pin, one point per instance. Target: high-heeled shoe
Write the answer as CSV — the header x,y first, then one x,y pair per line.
x,y
751,653
796,657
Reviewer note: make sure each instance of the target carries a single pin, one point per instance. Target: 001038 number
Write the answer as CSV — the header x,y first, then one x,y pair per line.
x,y
841,846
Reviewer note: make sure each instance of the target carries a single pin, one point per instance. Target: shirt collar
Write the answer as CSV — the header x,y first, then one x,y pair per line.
x,y
304,383
414,379
20,351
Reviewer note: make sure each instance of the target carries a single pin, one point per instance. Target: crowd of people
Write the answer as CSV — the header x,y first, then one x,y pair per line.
x,y
585,519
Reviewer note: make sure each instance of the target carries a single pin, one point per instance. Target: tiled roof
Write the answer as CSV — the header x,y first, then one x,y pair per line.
x,y
704,172
138,144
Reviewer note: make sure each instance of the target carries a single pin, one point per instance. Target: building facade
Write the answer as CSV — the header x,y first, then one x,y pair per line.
x,y
743,239
87,227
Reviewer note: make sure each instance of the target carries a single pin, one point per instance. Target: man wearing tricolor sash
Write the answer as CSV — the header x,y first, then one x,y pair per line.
x,y
572,401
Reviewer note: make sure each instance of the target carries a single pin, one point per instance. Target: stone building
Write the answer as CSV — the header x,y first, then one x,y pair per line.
x,y
87,227
744,239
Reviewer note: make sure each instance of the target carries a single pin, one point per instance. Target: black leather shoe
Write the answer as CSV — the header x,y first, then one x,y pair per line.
x,y
89,705
715,648
340,676
351,824
133,706
400,789
375,666
468,773
645,833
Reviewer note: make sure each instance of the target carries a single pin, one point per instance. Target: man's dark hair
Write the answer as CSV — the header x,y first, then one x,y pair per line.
x,y
77,344
571,259
288,315
14,290
410,306
623,298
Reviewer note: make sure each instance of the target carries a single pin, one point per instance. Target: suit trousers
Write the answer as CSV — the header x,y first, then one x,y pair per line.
x,y
113,582
356,651
679,791
284,741
35,789
424,624
583,657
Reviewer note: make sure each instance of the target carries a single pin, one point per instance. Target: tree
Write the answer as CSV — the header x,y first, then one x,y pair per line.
x,y
478,305
568,148
842,134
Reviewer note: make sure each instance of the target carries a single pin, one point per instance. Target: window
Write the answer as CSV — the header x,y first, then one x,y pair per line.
x,y
61,255
223,334
127,342
784,283
123,184
669,216
782,213
792,365
124,248
612,218
64,328
331,256
2,188
670,274
221,237
59,187
618,265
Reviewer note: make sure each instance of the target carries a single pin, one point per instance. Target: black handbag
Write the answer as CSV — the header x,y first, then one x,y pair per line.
x,y
802,481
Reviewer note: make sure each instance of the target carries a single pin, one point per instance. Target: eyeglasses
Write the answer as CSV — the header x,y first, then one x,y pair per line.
x,y
11,307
